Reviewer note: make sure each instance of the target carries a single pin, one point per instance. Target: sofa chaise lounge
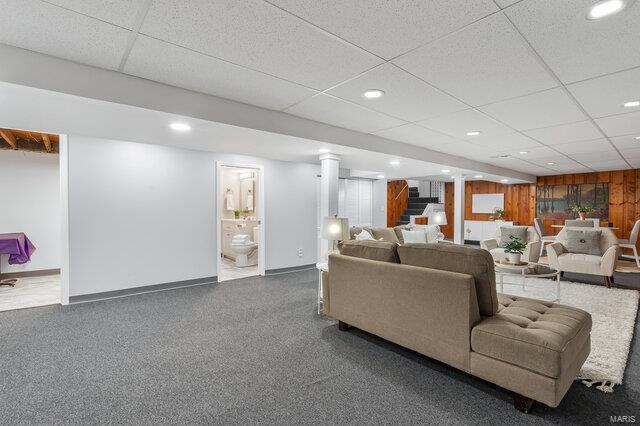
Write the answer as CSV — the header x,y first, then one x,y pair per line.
x,y
440,300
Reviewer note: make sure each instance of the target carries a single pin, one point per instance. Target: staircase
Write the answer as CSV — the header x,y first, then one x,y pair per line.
x,y
416,205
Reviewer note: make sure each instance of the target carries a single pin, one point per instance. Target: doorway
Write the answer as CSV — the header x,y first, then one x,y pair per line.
x,y
240,221
32,242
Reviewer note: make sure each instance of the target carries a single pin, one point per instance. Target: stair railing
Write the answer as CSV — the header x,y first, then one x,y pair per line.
x,y
402,190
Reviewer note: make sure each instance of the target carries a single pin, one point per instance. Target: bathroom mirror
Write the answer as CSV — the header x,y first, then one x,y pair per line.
x,y
247,191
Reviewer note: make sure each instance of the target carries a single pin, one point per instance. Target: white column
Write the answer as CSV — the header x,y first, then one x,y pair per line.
x,y
329,170
458,210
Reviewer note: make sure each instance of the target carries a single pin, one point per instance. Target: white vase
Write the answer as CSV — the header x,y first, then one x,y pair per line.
x,y
514,258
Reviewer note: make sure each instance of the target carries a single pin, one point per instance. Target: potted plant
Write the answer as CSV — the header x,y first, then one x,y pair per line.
x,y
236,213
582,210
514,248
498,214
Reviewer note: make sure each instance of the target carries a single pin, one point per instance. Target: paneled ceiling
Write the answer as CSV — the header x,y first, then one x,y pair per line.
x,y
543,85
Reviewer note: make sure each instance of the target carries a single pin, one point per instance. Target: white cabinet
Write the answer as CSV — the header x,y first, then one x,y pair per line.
x,y
478,230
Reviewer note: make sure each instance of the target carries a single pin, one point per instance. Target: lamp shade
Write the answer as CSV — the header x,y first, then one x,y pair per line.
x,y
437,218
335,228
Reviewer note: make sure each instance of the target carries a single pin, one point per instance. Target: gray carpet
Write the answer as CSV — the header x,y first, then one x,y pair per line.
x,y
246,351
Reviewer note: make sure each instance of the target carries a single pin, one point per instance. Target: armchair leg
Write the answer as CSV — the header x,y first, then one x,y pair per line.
x,y
522,403
561,274
613,281
607,281
343,326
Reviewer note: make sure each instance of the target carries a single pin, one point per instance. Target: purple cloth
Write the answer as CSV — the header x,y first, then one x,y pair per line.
x,y
17,246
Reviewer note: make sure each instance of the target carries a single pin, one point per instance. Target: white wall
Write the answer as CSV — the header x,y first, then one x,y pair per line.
x,y
379,203
30,203
145,214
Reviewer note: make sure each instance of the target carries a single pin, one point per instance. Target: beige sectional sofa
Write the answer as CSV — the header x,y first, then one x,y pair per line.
x,y
440,300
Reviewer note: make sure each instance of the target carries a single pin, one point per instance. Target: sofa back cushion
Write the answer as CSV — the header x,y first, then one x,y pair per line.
x,y
455,258
382,251
584,241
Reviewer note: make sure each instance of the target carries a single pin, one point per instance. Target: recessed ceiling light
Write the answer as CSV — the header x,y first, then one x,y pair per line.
x,y
180,127
373,93
474,133
380,176
445,171
478,176
453,177
504,180
605,8
524,152
394,162
637,138
324,150
551,163
631,104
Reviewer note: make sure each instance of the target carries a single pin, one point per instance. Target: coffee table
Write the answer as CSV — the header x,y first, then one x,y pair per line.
x,y
527,270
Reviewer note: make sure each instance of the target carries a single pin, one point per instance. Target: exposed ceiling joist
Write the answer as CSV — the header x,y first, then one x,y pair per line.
x,y
47,142
9,137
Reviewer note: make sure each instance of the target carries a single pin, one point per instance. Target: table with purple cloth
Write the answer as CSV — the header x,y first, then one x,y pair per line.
x,y
17,246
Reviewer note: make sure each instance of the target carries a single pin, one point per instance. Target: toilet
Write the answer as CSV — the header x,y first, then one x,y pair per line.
x,y
245,250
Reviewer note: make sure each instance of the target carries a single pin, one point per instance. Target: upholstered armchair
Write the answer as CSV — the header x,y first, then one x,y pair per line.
x,y
603,265
531,253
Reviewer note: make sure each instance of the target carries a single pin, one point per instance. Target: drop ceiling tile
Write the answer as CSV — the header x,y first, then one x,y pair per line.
x,y
604,166
260,36
574,47
334,111
558,160
542,109
588,157
416,135
606,95
169,64
389,28
532,152
505,3
627,142
49,29
635,163
459,123
483,63
566,169
509,141
572,132
118,12
406,96
631,154
598,145
620,125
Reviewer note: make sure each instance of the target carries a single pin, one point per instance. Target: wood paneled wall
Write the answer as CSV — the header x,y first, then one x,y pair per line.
x,y
397,200
624,199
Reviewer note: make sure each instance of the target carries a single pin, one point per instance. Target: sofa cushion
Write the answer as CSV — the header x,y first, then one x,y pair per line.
x,y
384,234
382,251
517,231
582,263
455,258
583,241
543,337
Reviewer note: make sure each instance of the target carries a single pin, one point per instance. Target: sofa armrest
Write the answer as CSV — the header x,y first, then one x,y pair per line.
x,y
532,252
489,244
608,262
554,250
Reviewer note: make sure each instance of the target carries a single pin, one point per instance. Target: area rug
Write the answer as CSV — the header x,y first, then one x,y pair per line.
x,y
613,312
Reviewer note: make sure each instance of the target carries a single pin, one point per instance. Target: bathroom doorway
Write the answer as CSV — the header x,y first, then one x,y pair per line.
x,y
240,221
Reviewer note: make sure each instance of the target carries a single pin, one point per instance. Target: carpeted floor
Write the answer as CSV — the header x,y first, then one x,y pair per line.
x,y
247,351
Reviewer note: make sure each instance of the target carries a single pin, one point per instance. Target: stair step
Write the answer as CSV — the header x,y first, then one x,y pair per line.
x,y
402,222
414,206
422,199
410,211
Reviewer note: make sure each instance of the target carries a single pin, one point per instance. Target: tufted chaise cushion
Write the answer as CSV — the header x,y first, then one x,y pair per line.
x,y
540,336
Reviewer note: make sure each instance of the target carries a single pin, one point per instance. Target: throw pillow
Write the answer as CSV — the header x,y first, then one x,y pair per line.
x,y
364,235
418,236
384,234
584,242
517,231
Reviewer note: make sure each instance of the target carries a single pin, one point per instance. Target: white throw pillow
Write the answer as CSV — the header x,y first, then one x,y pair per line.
x,y
432,232
419,236
364,235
